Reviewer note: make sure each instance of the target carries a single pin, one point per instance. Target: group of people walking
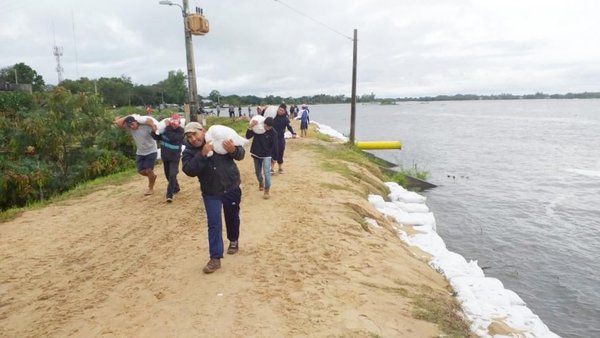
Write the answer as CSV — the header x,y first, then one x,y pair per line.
x,y
218,175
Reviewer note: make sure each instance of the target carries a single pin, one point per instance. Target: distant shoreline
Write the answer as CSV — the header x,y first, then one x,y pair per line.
x,y
473,97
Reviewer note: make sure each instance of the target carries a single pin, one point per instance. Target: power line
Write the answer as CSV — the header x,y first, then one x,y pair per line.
x,y
315,20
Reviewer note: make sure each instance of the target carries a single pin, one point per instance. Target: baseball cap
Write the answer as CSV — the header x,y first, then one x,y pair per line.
x,y
192,127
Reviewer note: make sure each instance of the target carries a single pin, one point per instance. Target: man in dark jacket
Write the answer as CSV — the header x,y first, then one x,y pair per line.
x,y
280,123
263,146
220,181
171,140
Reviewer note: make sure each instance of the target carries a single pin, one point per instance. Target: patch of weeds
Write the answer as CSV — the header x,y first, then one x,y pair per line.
x,y
443,311
432,306
395,290
399,176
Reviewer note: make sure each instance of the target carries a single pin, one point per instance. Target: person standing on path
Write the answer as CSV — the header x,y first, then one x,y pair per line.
x,y
261,150
220,181
140,127
304,121
171,140
280,123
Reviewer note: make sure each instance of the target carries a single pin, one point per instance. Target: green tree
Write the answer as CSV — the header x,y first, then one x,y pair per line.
x,y
79,142
174,88
83,85
23,74
215,96
116,91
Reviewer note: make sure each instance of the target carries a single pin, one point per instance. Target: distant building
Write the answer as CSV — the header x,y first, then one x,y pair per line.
x,y
12,87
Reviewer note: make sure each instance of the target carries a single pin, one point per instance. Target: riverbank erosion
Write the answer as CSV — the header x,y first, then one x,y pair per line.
x,y
115,263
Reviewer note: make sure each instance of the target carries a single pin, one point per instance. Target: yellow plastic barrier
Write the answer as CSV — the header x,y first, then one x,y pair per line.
x,y
376,145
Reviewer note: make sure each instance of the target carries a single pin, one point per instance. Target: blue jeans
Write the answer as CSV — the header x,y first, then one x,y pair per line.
x,y
263,165
230,203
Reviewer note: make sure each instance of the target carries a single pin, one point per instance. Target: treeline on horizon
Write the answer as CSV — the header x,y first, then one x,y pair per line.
x,y
536,96
121,91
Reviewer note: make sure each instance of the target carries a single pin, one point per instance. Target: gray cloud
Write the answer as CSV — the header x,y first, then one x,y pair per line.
x,y
264,47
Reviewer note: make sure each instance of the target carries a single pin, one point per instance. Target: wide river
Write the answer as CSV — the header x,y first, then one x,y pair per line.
x,y
518,191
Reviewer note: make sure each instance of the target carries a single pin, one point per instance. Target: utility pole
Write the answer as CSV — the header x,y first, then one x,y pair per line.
x,y
198,25
353,102
189,52
189,55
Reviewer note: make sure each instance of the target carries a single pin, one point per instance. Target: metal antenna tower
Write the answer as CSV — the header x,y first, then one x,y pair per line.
x,y
58,52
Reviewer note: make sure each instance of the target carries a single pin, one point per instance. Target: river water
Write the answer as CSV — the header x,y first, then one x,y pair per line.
x,y
518,191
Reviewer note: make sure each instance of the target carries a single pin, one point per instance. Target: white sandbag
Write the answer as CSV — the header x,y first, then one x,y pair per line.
x,y
142,119
216,134
160,127
270,111
259,128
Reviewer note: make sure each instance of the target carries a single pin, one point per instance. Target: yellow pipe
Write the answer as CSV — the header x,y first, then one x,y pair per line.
x,y
378,145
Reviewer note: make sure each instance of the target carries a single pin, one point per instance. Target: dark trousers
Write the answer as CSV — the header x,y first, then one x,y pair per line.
x,y
171,170
230,202
278,155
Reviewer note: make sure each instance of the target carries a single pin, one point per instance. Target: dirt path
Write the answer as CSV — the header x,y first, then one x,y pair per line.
x,y
115,263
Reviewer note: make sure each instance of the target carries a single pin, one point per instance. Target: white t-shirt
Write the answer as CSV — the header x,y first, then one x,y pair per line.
x,y
145,144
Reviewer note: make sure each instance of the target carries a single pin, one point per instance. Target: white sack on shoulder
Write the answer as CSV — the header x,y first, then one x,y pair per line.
x,y
259,128
270,111
216,134
142,119
160,127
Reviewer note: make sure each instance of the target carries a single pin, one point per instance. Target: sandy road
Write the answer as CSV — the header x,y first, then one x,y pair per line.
x,y
117,264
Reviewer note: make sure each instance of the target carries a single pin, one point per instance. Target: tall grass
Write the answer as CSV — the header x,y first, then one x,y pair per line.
x,y
400,175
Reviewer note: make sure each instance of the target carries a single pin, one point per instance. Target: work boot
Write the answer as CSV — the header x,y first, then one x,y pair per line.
x,y
261,186
266,195
233,247
213,265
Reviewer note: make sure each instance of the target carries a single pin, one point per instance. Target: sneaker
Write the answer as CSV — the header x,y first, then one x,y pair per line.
x,y
261,186
233,247
213,265
169,199
280,171
266,195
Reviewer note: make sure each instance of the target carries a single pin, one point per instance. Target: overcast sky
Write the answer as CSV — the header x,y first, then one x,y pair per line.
x,y
304,47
